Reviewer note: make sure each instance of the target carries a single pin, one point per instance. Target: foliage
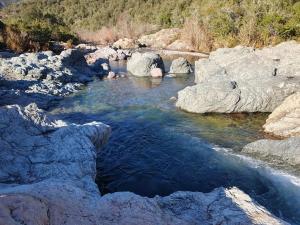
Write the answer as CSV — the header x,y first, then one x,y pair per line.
x,y
33,25
225,22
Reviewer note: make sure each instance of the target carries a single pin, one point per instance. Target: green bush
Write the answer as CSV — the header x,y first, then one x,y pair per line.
x,y
40,27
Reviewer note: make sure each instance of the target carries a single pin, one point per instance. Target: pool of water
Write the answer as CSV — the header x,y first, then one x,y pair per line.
x,y
156,149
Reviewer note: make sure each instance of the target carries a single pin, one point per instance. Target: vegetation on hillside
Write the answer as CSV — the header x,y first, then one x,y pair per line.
x,y
33,29
207,24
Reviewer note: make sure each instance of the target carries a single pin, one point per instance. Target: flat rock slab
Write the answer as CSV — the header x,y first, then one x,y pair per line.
x,y
283,151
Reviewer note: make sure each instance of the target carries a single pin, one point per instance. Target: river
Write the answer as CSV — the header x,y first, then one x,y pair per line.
x,y
156,149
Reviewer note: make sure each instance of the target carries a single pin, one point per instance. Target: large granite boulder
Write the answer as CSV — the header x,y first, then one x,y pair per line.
x,y
181,66
285,119
160,39
47,172
141,64
262,80
280,151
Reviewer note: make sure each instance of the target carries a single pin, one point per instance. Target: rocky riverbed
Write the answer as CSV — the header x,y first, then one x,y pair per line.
x,y
48,166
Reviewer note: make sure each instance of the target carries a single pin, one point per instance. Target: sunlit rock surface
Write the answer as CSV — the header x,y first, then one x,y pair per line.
x,y
243,79
126,43
160,39
285,119
35,147
70,205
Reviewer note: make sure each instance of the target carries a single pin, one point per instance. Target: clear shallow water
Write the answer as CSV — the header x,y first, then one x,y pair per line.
x,y
156,149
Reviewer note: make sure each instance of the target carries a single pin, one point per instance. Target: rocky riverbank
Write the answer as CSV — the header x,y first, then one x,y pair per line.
x,y
48,171
44,77
283,122
244,79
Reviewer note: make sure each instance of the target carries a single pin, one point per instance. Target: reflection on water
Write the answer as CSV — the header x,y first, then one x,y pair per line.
x,y
156,149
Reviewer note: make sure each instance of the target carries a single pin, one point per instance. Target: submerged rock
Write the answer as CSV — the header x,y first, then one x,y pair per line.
x,y
141,64
181,66
283,151
47,172
111,75
285,119
262,80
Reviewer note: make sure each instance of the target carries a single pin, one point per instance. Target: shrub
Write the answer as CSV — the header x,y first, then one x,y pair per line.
x,y
32,30
197,35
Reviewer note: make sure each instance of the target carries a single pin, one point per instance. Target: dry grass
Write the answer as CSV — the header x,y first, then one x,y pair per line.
x,y
102,37
197,35
125,28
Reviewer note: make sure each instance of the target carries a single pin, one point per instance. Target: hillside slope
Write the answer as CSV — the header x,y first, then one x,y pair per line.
x,y
225,23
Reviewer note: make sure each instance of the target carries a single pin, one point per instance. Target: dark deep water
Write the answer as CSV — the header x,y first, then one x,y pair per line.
x,y
155,149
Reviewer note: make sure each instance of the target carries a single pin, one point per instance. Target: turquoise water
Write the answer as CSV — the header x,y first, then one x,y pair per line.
x,y
156,149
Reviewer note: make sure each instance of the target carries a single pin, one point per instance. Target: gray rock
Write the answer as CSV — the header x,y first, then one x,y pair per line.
x,y
70,205
69,66
285,119
141,64
108,53
263,79
283,151
35,147
181,66
43,75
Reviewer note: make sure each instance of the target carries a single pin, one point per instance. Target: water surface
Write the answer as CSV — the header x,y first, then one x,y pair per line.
x,y
156,149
